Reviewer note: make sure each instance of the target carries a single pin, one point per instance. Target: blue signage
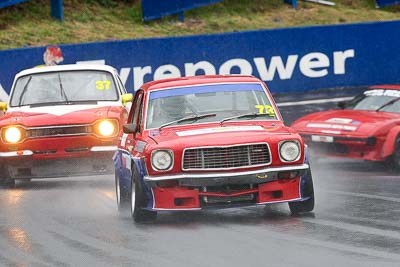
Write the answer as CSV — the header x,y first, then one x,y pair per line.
x,y
288,60
56,7
154,9
6,3
382,3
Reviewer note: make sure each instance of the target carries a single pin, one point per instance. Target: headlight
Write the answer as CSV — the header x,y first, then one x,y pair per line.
x,y
13,134
289,151
106,128
162,160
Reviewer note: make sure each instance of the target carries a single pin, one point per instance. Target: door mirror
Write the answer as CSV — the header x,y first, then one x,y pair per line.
x,y
3,106
130,128
126,98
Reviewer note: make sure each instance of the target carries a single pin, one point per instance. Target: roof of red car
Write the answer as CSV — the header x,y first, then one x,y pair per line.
x,y
386,86
194,80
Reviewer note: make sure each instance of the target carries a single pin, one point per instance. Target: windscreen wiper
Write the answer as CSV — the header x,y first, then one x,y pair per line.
x,y
246,115
62,89
391,102
24,91
55,103
189,118
52,103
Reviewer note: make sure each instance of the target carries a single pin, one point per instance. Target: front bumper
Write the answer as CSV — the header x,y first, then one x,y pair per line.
x,y
27,152
218,178
366,148
27,164
198,191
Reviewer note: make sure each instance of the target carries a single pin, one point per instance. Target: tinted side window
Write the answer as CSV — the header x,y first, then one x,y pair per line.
x,y
136,108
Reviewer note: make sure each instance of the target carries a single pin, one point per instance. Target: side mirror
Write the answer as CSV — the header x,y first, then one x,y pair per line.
x,y
3,106
130,128
126,98
342,104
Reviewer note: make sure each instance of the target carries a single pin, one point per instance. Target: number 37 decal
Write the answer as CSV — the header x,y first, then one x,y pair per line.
x,y
266,109
103,85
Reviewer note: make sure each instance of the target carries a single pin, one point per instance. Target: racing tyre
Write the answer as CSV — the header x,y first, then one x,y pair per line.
x,y
122,194
307,205
139,201
394,160
5,179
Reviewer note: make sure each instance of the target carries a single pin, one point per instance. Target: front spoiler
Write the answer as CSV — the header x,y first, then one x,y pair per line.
x,y
26,152
26,167
220,178
229,206
192,198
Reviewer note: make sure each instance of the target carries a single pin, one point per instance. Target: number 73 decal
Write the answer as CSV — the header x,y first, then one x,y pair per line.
x,y
266,109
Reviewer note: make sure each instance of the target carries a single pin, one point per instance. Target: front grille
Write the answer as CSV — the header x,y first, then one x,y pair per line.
x,y
228,189
58,131
44,152
76,149
230,157
213,200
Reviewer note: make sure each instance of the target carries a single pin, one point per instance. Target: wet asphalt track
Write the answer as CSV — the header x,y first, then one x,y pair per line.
x,y
74,222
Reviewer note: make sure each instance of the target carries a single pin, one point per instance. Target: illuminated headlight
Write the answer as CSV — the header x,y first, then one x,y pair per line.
x,y
162,160
289,151
106,128
13,134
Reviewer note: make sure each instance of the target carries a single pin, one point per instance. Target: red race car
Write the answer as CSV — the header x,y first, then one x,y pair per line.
x,y
61,121
367,127
209,142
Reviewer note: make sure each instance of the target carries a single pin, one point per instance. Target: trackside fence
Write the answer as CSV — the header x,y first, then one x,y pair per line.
x,y
288,60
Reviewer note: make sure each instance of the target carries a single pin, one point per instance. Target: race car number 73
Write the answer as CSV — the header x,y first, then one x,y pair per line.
x,y
266,109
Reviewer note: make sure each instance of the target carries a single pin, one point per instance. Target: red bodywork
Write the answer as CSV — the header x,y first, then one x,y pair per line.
x,y
180,197
58,154
359,134
179,189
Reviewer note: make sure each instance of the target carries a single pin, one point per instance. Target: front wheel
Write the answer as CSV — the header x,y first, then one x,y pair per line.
x,y
301,206
306,205
139,201
5,179
121,193
394,160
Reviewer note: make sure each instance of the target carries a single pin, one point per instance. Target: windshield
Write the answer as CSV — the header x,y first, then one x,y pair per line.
x,y
223,100
64,87
377,99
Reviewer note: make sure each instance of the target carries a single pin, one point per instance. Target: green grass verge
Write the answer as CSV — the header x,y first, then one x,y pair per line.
x,y
30,23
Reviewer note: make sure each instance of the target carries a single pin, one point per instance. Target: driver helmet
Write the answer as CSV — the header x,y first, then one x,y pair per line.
x,y
174,106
